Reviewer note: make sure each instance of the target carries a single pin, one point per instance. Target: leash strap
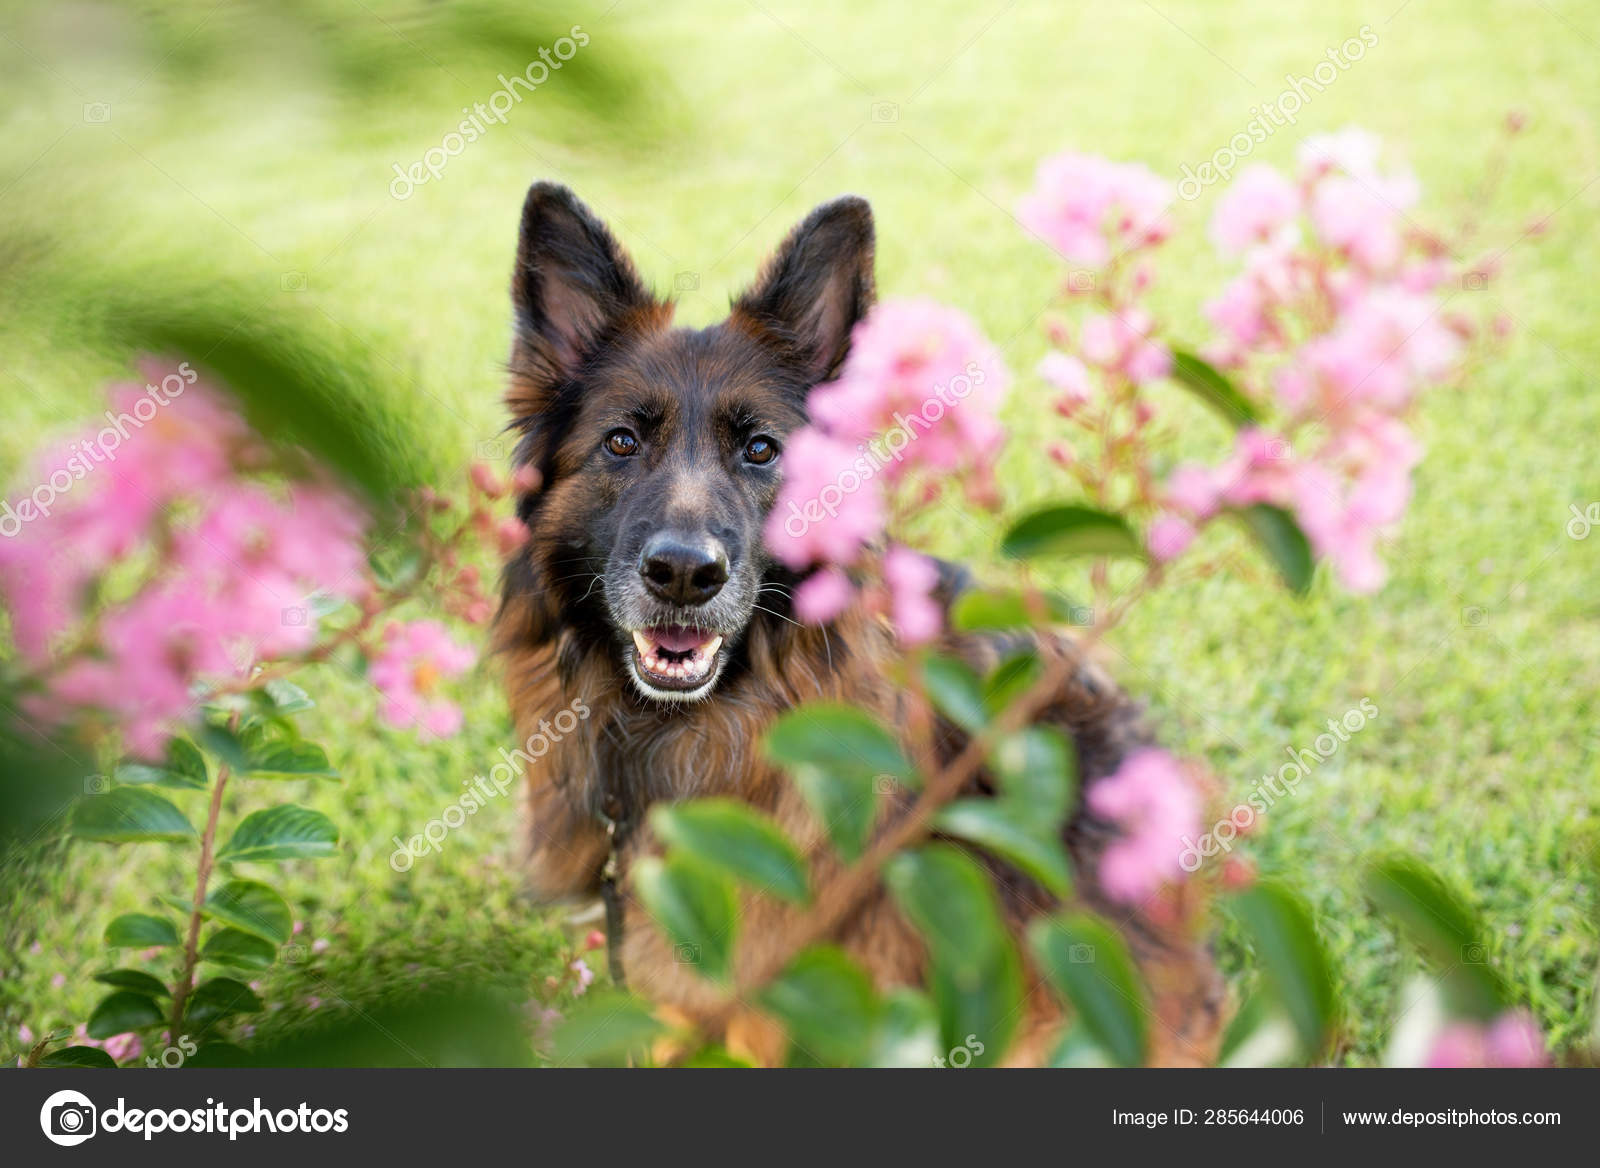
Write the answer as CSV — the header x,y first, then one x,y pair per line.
x,y
610,894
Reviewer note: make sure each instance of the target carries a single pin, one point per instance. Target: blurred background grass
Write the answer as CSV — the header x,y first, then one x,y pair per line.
x,y
240,156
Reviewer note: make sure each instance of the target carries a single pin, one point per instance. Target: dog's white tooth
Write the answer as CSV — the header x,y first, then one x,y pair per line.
x,y
641,644
711,647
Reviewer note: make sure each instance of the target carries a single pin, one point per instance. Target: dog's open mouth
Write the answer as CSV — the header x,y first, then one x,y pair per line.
x,y
676,657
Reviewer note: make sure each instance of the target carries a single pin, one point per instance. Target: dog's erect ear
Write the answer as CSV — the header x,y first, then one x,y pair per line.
x,y
573,290
817,285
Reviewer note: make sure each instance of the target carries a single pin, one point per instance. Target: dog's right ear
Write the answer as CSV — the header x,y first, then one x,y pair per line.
x,y
574,291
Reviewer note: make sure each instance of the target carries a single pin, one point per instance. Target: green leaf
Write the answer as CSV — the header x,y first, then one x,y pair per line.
x,y
975,974
1038,771
907,1033
737,839
184,768
287,697
605,1028
990,610
238,949
1009,680
218,998
1068,529
258,750
1283,541
826,1003
696,906
288,832
839,758
82,1057
956,691
133,979
1084,959
1446,931
1292,960
121,1012
1079,1048
1213,388
839,737
126,815
139,931
713,1056
1261,1035
251,906
1009,832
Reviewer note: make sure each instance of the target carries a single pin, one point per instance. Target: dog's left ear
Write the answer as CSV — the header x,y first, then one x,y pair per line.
x,y
816,286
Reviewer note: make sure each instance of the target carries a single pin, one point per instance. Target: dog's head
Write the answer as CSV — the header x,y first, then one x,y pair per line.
x,y
660,449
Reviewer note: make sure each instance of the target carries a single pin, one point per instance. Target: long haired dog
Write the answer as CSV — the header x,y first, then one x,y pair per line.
x,y
646,603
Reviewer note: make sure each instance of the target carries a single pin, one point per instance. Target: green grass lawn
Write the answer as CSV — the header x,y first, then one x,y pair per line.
x,y
1482,654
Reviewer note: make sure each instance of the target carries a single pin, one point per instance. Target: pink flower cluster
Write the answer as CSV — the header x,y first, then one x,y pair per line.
x,y
415,658
162,567
1511,1040
1092,210
1339,329
915,400
1157,807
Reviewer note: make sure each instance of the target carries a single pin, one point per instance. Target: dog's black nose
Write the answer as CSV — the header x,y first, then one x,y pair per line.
x,y
682,571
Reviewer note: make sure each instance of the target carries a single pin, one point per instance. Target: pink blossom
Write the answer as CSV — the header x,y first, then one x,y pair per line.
x,y
823,595
1351,216
25,1034
1155,806
1194,489
122,1047
1511,1040
1253,209
911,579
1352,150
830,505
1071,377
1088,208
415,658
585,975
1169,536
922,375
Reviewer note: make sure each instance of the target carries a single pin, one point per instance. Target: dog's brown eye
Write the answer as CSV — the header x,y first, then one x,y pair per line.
x,y
622,443
760,450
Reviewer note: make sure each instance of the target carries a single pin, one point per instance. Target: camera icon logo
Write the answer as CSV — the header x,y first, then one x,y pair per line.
x,y
294,618
686,954
96,785
885,111
1475,953
492,450
1475,281
1473,617
292,281
96,112
1081,954
1080,280
885,784
1080,615
686,282
68,1118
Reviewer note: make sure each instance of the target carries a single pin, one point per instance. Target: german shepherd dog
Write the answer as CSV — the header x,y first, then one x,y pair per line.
x,y
645,596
